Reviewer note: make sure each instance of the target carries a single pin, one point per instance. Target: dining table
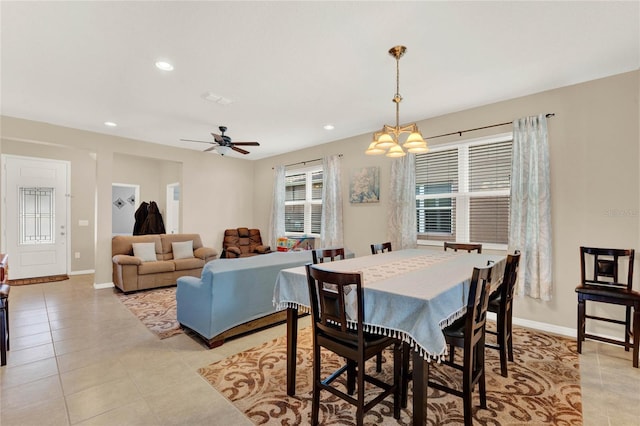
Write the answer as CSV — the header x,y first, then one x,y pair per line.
x,y
409,294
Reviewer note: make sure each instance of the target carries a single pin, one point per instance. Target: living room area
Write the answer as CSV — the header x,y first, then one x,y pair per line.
x,y
80,356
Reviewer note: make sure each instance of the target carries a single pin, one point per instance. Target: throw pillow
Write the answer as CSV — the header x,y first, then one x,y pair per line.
x,y
145,251
182,250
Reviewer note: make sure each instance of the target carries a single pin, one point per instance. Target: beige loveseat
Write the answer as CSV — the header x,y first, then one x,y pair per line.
x,y
131,273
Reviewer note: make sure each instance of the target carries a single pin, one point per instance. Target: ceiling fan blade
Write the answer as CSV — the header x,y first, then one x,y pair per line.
x,y
218,138
211,148
246,143
240,150
192,140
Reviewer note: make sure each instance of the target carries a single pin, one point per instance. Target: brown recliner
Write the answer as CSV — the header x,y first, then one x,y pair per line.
x,y
242,242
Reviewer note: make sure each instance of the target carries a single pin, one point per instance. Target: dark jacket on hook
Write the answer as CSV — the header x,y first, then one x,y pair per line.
x,y
153,224
140,216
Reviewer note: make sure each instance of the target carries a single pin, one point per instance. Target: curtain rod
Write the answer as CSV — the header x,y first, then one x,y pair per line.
x,y
305,162
460,132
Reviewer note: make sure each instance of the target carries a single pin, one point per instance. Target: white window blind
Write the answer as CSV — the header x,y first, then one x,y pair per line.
x,y
462,192
303,201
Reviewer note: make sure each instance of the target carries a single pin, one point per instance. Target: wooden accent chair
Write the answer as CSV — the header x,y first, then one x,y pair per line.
x,y
501,303
463,246
327,255
602,285
468,333
330,330
376,249
380,248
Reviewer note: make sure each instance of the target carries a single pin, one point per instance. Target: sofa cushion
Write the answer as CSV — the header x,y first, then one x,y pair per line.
x,y
182,250
156,267
192,263
145,251
243,232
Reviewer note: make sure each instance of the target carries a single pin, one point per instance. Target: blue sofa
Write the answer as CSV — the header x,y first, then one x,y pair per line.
x,y
233,296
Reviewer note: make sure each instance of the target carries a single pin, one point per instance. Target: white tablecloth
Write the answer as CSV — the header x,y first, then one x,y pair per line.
x,y
409,294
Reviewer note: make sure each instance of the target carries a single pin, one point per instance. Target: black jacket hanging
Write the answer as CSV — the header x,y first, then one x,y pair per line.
x,y
153,224
140,215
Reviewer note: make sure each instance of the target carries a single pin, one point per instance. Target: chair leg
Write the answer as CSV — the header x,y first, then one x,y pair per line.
x,y
397,377
351,377
502,345
581,324
467,392
510,337
379,363
315,403
360,407
406,354
3,337
627,329
6,312
636,335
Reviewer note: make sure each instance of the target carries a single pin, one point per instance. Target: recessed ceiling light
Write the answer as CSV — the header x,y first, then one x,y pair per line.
x,y
328,127
110,124
164,66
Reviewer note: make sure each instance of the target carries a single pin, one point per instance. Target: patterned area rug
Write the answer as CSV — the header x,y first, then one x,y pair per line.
x,y
543,387
155,308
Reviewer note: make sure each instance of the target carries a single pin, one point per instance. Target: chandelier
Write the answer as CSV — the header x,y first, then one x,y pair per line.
x,y
387,140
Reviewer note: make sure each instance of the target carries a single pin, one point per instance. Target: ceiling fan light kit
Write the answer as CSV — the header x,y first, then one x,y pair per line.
x,y
387,140
222,143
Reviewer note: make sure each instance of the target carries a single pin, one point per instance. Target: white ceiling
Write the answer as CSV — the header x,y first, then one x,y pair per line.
x,y
291,67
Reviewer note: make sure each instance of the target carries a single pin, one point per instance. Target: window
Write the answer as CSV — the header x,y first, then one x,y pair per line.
x,y
303,201
462,192
37,216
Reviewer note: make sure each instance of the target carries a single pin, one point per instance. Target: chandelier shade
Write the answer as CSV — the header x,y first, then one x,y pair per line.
x,y
387,141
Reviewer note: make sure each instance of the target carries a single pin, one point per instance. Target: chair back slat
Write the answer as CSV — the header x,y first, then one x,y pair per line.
x,y
327,294
380,248
507,288
327,255
605,265
469,247
477,303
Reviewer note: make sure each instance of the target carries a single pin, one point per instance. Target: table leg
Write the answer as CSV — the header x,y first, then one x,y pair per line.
x,y
292,345
420,378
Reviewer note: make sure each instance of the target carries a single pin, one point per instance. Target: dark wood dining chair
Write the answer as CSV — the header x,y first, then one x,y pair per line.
x,y
380,248
468,333
600,272
377,249
463,246
327,255
501,303
332,332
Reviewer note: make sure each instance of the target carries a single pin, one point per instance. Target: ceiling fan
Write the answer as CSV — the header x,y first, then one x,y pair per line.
x,y
224,141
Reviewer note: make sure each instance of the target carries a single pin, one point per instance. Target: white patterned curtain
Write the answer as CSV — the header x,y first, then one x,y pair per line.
x,y
530,222
276,221
402,230
331,234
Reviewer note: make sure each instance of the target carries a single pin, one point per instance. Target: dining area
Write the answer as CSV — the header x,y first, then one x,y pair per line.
x,y
405,312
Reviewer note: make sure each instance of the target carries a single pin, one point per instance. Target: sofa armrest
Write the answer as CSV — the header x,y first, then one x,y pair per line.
x,y
123,259
232,252
262,249
205,253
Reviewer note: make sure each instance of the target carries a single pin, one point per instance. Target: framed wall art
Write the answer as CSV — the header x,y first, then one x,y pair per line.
x,y
364,185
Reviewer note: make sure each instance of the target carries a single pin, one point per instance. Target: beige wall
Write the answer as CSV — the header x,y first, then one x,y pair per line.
x,y
594,138
217,192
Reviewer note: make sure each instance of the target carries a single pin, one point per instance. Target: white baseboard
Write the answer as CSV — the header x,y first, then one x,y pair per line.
x,y
542,326
100,286
88,271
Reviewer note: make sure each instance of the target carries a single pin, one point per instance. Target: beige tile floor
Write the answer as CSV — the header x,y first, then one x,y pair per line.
x,y
79,357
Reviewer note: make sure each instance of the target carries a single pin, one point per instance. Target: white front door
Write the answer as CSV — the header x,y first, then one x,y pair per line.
x,y
35,206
